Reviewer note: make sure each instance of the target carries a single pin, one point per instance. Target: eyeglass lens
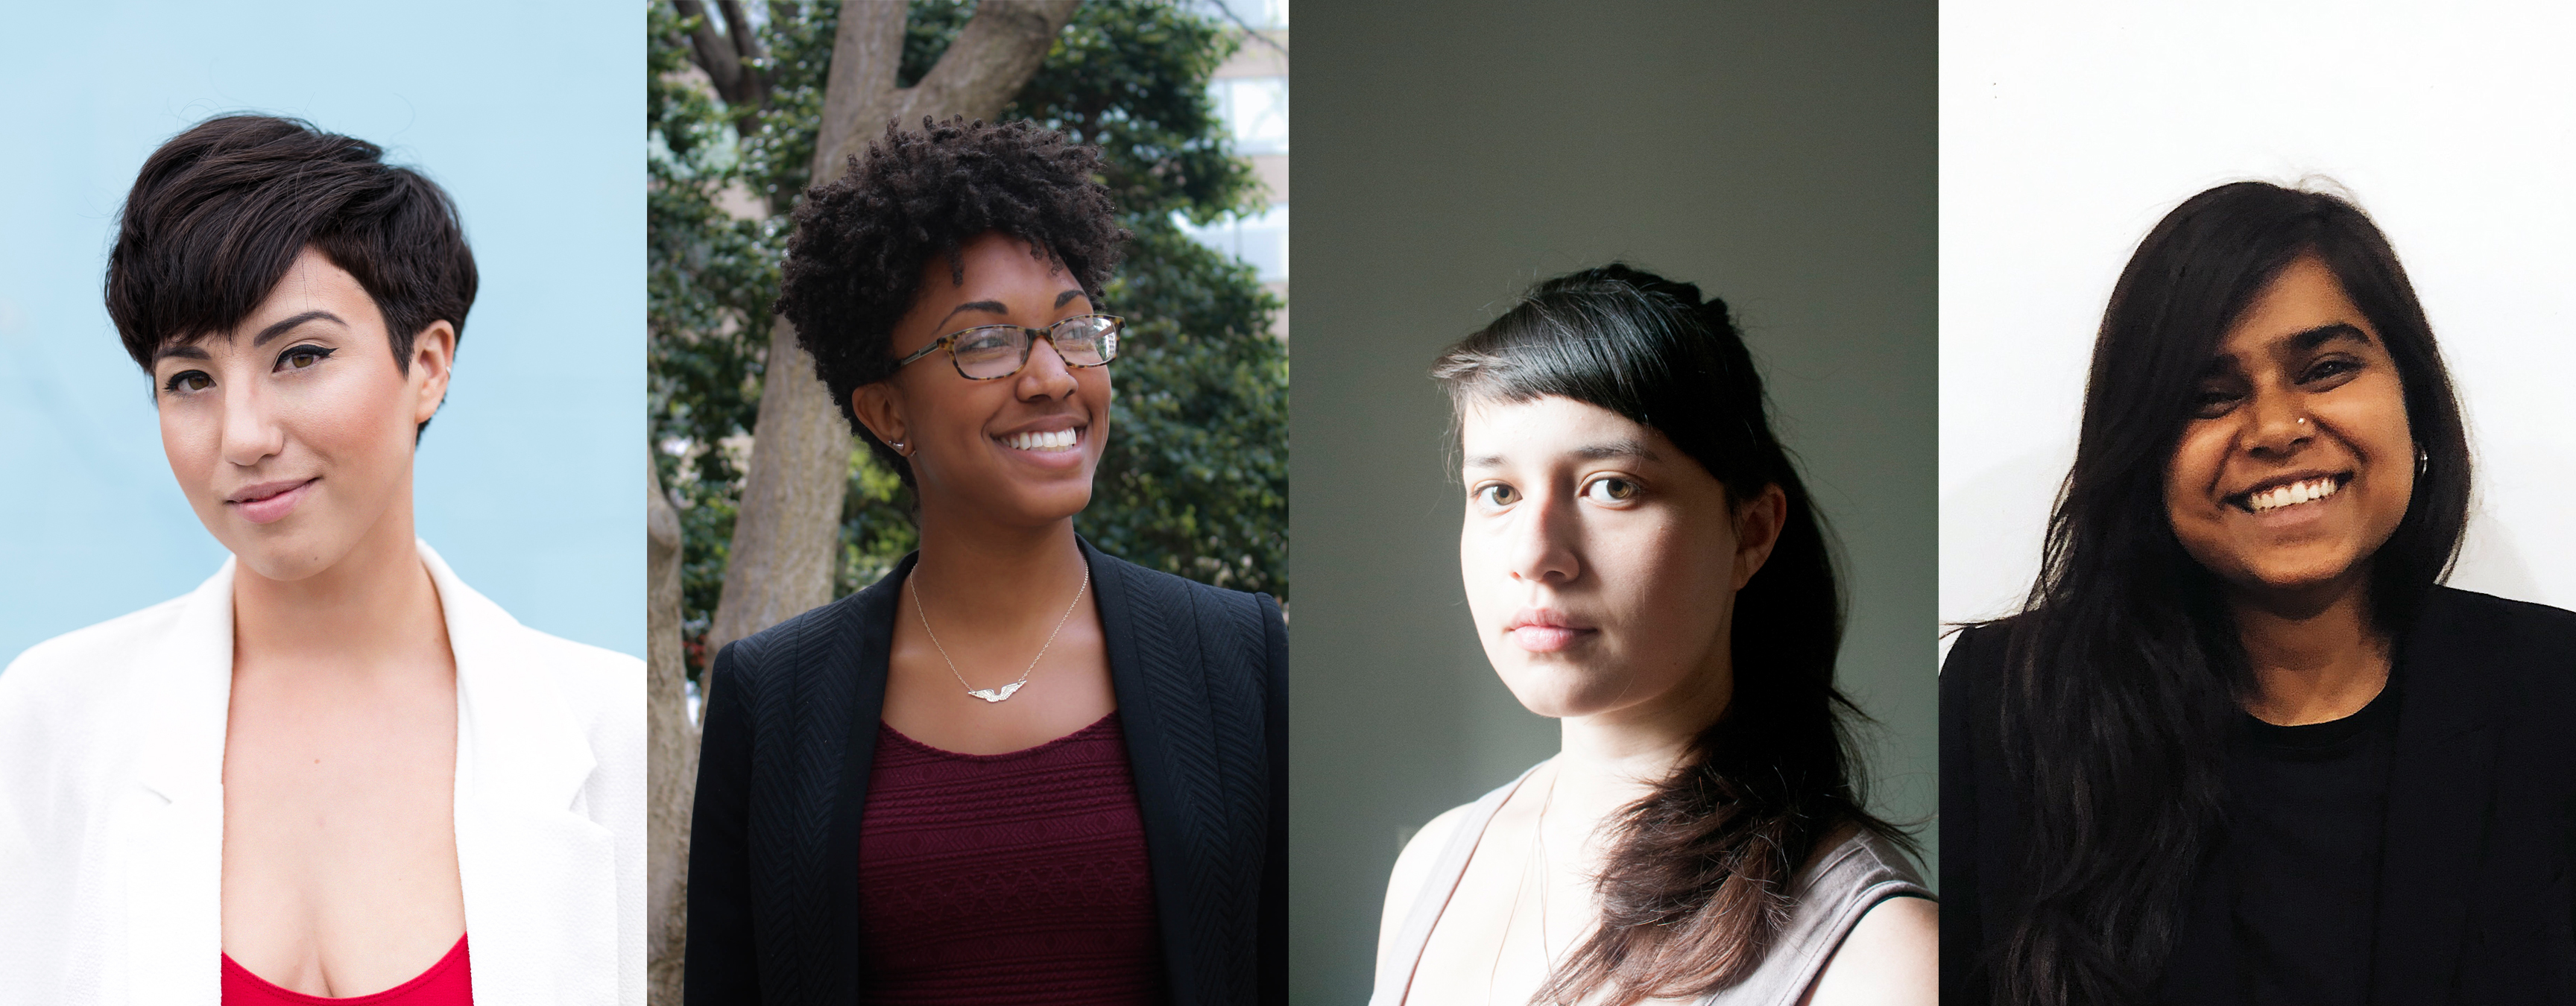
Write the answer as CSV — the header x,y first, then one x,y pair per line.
x,y
1000,350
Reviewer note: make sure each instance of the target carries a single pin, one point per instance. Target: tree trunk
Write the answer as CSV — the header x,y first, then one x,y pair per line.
x,y
671,748
787,533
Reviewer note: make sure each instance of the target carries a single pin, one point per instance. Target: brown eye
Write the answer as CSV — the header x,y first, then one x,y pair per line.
x,y
302,357
1612,490
188,380
1495,495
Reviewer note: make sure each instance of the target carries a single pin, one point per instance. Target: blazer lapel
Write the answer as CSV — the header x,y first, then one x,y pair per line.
x,y
1184,761
2440,793
861,646
172,851
540,893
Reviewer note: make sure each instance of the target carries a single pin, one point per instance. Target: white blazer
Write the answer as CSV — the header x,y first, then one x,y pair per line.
x,y
111,808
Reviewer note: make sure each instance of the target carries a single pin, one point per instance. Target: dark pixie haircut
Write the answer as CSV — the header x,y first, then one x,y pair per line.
x,y
854,264
1696,890
220,212
2123,671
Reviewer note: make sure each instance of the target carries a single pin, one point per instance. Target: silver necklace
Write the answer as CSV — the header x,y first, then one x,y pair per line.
x,y
1004,692
1538,838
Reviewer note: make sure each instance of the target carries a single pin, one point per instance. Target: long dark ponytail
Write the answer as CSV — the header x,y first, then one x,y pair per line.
x,y
1696,888
2125,666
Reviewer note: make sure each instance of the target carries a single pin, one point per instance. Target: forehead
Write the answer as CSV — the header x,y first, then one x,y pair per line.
x,y
994,264
2303,298
1495,432
311,283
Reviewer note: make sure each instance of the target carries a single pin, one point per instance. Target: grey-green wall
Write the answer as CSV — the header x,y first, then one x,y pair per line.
x,y
1781,155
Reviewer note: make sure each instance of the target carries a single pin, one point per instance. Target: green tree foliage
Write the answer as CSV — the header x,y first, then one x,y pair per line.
x,y
1195,481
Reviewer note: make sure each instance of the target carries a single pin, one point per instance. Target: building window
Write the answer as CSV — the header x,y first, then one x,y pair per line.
x,y
1259,240
1255,111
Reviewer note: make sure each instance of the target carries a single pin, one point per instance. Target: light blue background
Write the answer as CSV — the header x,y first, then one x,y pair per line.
x,y
529,114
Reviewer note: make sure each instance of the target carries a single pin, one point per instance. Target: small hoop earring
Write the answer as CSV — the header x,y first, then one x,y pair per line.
x,y
2423,462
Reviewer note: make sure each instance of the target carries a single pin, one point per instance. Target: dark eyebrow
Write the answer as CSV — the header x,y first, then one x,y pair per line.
x,y
1066,297
1617,449
1603,451
993,306
290,324
190,350
2322,334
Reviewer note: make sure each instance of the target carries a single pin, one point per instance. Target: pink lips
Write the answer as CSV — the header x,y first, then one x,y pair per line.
x,y
268,501
1541,631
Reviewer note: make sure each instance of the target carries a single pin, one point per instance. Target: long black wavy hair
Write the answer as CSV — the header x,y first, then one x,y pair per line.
x,y
1696,888
2124,666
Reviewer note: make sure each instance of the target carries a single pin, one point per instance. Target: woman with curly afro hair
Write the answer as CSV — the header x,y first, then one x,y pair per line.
x,y
1016,769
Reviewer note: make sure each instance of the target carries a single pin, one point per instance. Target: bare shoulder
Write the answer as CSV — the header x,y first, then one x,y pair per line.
x,y
1413,870
1892,956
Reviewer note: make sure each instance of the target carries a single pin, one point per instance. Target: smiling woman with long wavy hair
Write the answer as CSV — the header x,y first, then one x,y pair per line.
x,y
2240,746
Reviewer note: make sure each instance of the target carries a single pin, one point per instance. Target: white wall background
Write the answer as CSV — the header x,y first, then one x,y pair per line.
x,y
2068,130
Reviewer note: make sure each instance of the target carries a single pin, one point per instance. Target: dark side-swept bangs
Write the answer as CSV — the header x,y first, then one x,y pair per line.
x,y
219,213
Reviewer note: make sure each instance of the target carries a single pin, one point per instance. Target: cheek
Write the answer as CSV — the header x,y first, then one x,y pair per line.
x,y
2193,473
190,438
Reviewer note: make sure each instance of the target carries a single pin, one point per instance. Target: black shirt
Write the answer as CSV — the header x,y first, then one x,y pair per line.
x,y
2283,910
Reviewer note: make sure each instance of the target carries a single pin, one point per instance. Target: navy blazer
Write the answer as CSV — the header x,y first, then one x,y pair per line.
x,y
1201,678
2477,883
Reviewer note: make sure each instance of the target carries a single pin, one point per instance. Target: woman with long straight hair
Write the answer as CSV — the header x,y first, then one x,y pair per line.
x,y
1643,563
2239,745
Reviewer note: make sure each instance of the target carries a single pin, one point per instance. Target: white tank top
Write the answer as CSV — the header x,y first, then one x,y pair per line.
x,y
1827,899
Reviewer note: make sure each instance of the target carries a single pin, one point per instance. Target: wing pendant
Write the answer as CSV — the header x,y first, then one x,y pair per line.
x,y
997,694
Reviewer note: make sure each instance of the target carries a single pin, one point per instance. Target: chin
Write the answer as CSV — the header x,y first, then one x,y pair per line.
x,y
1557,689
2298,574
286,559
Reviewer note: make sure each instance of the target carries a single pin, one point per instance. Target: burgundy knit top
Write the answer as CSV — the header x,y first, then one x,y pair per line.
x,y
1010,878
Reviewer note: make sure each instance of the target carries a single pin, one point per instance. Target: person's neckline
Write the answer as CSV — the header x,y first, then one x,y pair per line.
x,y
454,954
1096,726
2327,733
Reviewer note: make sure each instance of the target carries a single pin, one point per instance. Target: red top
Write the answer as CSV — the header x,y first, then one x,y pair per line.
x,y
446,983
1011,878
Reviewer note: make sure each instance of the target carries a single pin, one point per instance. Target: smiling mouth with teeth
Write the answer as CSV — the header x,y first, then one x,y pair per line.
x,y
2292,494
1045,442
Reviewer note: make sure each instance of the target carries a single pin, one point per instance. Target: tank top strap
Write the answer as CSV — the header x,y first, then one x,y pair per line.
x,y
1828,899
1395,975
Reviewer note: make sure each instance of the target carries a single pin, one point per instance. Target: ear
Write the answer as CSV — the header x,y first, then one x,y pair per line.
x,y
433,354
880,410
1757,531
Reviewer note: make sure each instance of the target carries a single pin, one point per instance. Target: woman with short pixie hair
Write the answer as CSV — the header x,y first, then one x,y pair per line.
x,y
1016,769
319,774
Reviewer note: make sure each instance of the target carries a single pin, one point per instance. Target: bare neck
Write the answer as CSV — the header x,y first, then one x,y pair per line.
x,y
981,575
2317,656
374,611
1611,759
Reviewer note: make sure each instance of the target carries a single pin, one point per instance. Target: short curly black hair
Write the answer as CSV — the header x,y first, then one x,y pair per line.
x,y
855,260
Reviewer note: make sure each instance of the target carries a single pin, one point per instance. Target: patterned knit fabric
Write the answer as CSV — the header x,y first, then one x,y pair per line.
x,y
1007,879
446,983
